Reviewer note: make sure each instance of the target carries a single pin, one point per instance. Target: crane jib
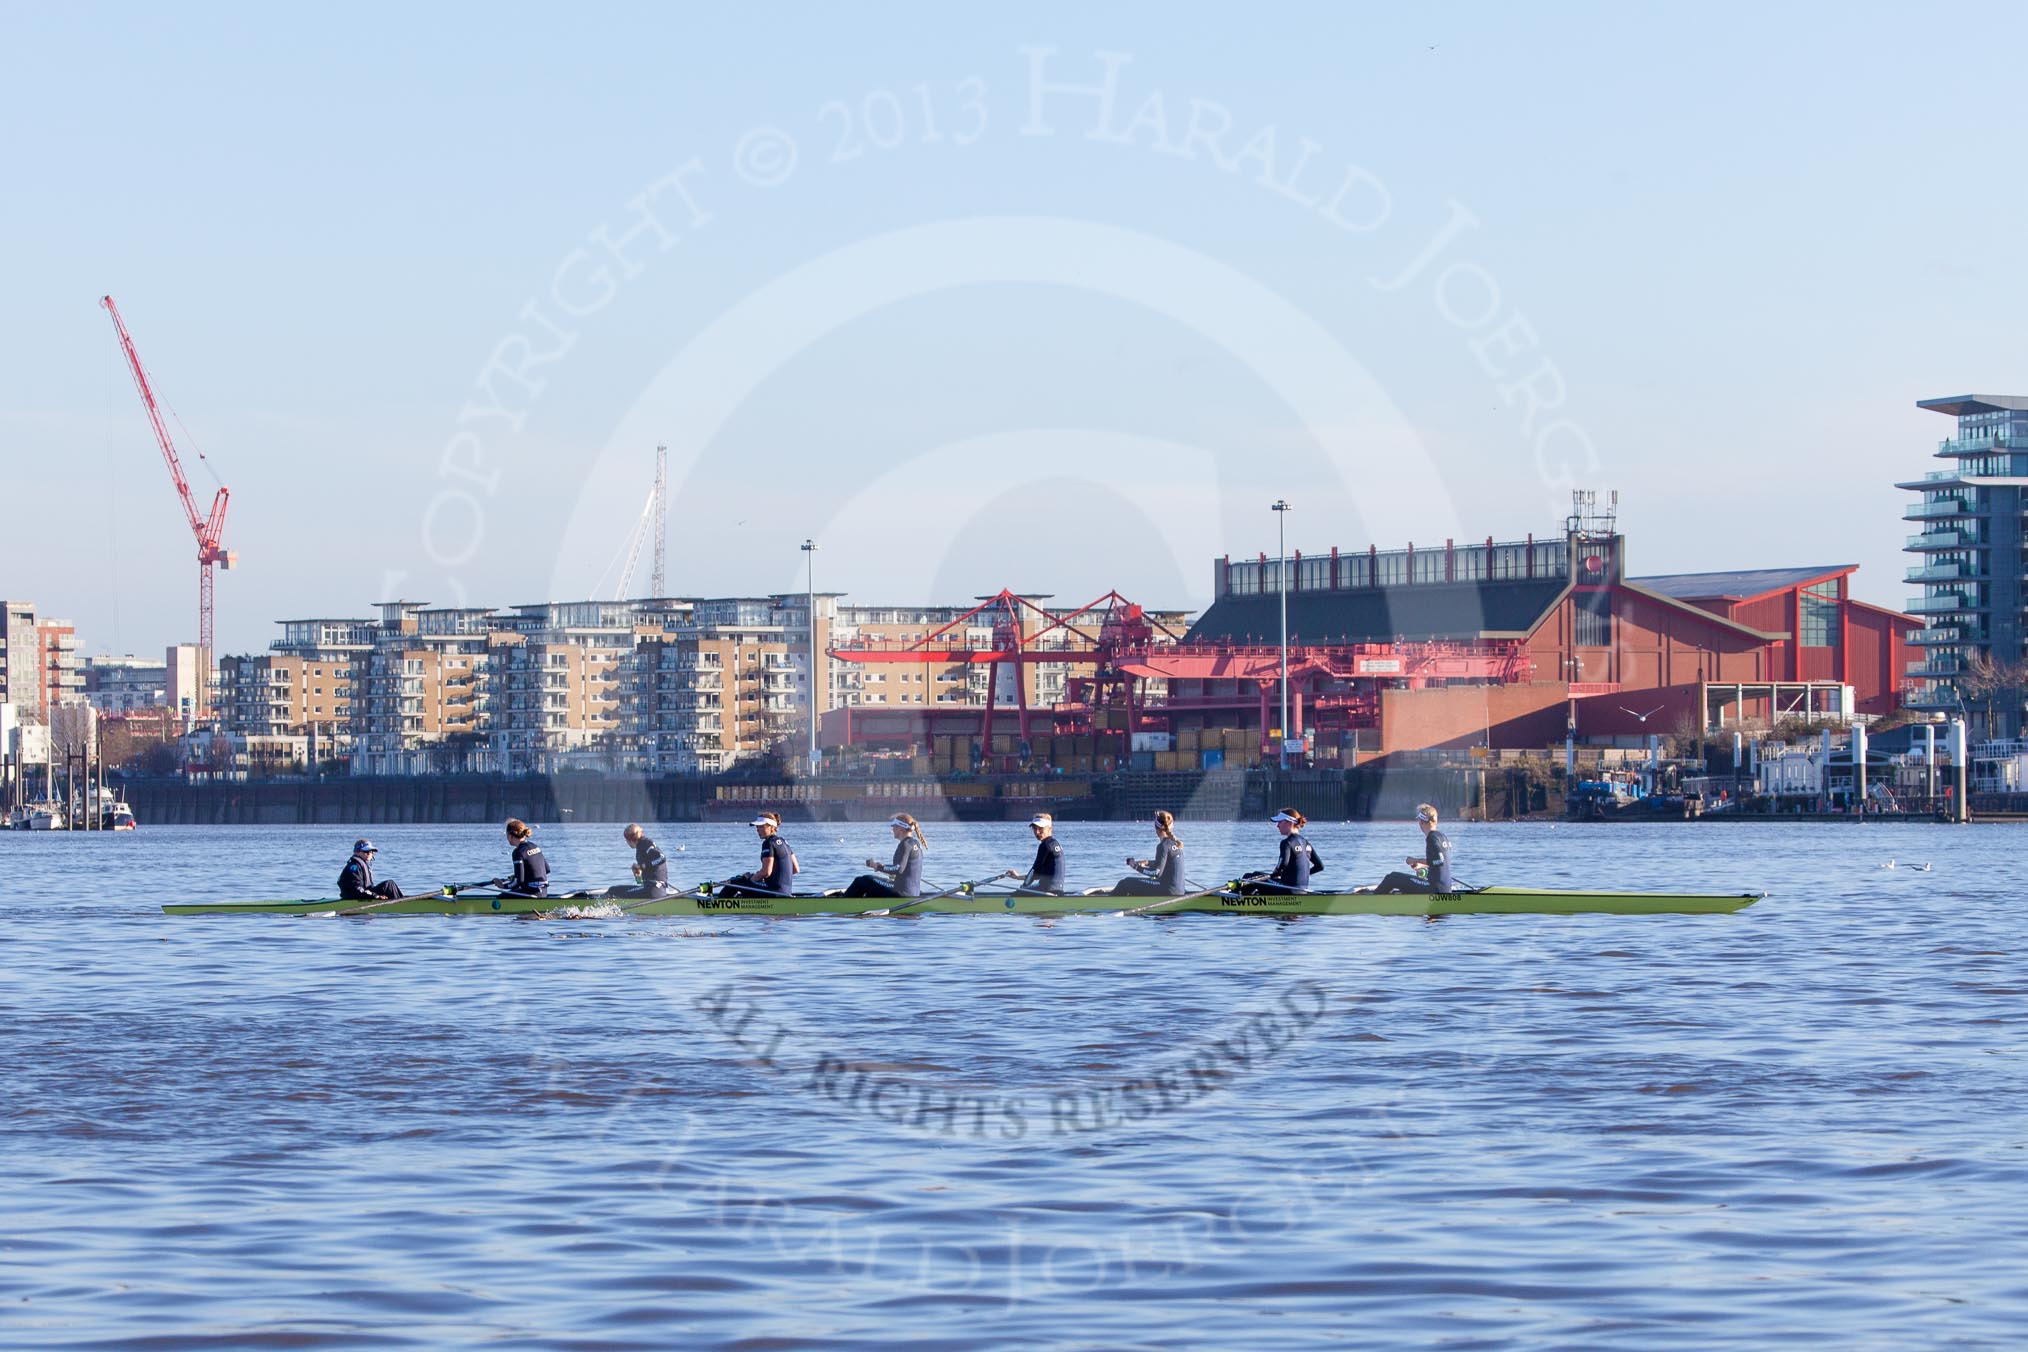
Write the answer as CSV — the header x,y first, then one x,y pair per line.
x,y
209,530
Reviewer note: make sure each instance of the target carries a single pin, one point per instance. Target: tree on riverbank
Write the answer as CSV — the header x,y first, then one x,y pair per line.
x,y
1995,687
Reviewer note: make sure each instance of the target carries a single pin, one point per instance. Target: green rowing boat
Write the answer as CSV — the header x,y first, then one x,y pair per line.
x,y
1484,901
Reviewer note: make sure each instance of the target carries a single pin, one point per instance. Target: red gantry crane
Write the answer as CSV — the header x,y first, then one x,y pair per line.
x,y
207,529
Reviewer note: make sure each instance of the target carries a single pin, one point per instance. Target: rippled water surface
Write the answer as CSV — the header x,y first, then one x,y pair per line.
x,y
1799,1123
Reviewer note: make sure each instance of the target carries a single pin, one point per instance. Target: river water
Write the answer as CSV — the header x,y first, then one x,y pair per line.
x,y
1800,1123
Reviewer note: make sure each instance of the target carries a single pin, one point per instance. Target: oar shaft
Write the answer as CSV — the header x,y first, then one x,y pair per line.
x,y
702,889
1245,883
1174,901
934,896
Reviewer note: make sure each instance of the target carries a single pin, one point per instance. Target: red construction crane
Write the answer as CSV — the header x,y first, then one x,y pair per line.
x,y
1125,648
207,529
1095,634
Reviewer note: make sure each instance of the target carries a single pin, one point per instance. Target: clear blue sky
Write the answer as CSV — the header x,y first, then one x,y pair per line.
x,y
985,349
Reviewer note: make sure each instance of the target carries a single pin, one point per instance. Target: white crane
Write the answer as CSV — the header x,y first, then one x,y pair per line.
x,y
653,521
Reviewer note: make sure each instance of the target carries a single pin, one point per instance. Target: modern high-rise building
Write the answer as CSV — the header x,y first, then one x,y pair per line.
x,y
300,687
20,658
40,671
187,686
420,696
1971,566
125,685
557,682
723,679
62,668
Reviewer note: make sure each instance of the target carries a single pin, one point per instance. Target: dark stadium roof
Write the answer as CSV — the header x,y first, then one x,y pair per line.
x,y
1738,585
1458,610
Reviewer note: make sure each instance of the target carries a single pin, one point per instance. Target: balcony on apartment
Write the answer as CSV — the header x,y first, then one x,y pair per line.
x,y
1943,603
1943,570
1939,509
1945,539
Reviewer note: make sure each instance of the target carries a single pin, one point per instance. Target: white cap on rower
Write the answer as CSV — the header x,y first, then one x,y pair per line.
x,y
896,821
1042,819
762,821
1281,817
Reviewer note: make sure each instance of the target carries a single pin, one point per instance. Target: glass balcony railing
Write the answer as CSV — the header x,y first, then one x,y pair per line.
x,y
2000,441
1940,572
1937,666
1941,507
1944,539
1941,603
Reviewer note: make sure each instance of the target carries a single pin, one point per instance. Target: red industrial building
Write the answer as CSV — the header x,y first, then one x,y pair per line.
x,y
1496,644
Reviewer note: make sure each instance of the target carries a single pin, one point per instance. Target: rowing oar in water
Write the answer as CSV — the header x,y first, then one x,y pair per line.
x,y
1235,886
701,890
965,888
601,895
448,889
1177,901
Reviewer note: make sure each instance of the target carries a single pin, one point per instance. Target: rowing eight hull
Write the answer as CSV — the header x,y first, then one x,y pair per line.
x,y
1486,901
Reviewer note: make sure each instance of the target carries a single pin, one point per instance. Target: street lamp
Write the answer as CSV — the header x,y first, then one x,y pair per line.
x,y
810,599
1281,511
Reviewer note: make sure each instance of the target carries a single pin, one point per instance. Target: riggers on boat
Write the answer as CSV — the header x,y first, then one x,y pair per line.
x,y
977,901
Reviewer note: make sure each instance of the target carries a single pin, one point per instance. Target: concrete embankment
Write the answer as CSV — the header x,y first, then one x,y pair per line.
x,y
1326,795
450,798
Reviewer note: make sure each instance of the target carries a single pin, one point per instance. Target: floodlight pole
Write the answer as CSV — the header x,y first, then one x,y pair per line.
x,y
1281,511
810,599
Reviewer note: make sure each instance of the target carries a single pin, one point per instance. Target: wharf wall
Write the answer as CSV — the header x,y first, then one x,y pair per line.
x,y
435,799
1230,795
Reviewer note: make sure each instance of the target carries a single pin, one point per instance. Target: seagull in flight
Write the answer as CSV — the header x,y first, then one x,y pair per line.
x,y
1646,716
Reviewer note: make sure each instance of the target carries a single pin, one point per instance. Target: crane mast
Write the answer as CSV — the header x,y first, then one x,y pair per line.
x,y
209,529
654,522
657,585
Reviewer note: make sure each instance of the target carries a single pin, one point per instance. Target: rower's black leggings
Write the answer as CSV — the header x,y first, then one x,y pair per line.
x,y
1403,882
1140,887
866,885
